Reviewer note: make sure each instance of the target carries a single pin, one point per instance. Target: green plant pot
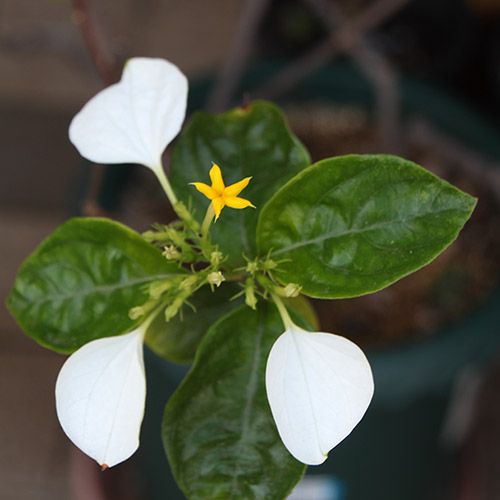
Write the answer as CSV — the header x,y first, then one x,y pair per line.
x,y
395,453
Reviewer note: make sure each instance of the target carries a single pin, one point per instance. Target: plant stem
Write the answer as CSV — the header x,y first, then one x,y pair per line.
x,y
165,184
149,319
285,317
207,221
235,277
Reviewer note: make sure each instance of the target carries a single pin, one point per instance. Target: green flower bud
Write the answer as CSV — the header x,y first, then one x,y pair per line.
x,y
269,265
157,288
171,253
188,283
150,236
136,312
252,267
216,258
250,298
173,308
290,290
215,278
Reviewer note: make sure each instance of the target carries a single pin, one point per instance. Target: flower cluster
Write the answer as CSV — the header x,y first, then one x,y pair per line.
x,y
319,385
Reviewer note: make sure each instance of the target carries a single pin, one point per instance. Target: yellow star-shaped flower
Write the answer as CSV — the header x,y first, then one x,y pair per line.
x,y
220,195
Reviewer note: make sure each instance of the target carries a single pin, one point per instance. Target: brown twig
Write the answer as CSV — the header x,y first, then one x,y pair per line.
x,y
378,70
105,62
387,103
108,69
421,132
241,46
337,43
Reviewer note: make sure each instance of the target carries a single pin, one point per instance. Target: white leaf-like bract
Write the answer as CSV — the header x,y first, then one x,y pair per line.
x,y
319,386
135,119
100,397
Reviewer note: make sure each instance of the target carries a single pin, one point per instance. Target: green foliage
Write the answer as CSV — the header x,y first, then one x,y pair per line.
x,y
253,141
352,225
302,308
218,430
343,227
81,282
178,339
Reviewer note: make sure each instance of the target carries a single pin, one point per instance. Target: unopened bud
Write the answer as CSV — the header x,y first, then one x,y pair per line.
x,y
171,253
250,298
290,290
157,288
150,236
269,264
215,278
173,308
216,258
188,283
252,267
136,312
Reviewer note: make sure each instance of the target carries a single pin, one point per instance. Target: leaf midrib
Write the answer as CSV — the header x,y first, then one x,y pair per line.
x,y
250,396
100,288
334,234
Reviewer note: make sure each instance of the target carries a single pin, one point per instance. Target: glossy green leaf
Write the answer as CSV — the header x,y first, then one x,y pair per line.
x,y
80,283
218,430
302,307
253,141
352,225
178,339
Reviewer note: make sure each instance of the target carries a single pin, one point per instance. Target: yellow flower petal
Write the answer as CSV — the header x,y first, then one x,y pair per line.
x,y
205,189
216,178
236,188
218,204
220,195
235,202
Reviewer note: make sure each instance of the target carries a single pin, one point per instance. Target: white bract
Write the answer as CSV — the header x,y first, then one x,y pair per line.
x,y
319,386
101,389
100,397
135,119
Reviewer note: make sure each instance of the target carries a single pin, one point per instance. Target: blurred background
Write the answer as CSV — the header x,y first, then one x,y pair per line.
x,y
418,78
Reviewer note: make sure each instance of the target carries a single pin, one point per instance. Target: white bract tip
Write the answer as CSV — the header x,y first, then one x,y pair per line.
x,y
100,397
319,386
135,119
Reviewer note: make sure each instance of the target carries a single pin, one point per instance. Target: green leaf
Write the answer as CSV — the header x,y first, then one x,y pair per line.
x,y
302,308
178,339
80,283
352,225
253,141
218,430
